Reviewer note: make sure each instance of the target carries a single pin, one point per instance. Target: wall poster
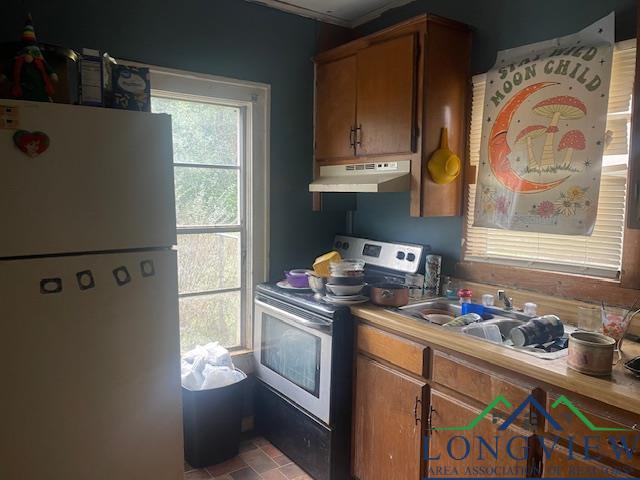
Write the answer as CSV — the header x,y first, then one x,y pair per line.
x,y
543,134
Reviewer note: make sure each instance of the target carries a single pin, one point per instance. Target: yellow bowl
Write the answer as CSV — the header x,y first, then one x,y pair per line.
x,y
444,166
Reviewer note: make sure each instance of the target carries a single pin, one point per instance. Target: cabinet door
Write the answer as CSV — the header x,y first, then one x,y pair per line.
x,y
387,426
335,108
458,453
561,464
386,97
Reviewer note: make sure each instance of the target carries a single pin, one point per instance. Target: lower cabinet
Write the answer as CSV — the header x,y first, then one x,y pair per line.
x,y
455,450
388,427
420,413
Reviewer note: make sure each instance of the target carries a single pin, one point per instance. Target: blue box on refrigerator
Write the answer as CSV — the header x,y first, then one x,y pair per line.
x,y
131,88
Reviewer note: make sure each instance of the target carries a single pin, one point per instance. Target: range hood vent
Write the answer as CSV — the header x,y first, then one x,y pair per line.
x,y
364,177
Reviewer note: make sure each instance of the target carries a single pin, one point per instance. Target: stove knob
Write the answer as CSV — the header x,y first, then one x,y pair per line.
x,y
400,255
345,245
338,244
411,257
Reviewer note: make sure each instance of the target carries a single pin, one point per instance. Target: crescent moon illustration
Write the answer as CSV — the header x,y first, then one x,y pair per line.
x,y
499,148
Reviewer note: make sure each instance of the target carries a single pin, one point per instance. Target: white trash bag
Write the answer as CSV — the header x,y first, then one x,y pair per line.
x,y
207,367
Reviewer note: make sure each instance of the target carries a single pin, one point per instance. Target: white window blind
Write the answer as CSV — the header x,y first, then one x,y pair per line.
x,y
598,255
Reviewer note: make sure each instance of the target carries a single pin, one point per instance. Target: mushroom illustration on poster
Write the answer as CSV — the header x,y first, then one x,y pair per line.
x,y
543,134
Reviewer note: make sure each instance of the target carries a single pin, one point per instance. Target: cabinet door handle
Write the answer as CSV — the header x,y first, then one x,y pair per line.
x,y
415,410
359,135
352,137
430,418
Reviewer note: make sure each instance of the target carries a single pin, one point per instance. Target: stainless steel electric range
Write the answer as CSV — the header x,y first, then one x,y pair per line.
x,y
303,349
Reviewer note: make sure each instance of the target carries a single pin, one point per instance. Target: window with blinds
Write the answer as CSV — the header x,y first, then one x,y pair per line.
x,y
599,255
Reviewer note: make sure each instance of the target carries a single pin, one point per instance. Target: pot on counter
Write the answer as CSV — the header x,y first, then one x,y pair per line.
x,y
591,353
389,294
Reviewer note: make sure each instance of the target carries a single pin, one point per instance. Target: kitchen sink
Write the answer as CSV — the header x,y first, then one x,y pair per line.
x,y
448,306
505,320
438,305
505,325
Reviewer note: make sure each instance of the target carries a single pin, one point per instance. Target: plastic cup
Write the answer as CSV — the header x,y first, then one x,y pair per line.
x,y
589,318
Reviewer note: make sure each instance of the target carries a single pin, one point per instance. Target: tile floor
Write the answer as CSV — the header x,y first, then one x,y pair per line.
x,y
258,460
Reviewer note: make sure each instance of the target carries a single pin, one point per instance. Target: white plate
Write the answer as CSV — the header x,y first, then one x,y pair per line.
x,y
284,284
351,300
345,297
344,290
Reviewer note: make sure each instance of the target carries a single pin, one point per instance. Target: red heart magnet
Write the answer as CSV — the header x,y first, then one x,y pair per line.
x,y
31,143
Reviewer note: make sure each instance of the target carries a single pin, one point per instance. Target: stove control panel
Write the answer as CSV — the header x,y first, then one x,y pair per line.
x,y
403,257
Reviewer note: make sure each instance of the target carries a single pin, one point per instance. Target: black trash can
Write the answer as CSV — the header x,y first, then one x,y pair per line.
x,y
212,423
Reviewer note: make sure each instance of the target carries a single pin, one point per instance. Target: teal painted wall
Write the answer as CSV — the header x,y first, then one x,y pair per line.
x,y
497,24
242,40
231,38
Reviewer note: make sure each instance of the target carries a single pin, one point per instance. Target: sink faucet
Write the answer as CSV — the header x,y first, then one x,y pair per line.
x,y
508,301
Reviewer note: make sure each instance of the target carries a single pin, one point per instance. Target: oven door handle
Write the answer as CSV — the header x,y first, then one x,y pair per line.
x,y
323,327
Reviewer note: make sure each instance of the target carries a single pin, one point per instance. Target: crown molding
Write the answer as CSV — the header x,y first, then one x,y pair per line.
x,y
328,18
377,12
304,12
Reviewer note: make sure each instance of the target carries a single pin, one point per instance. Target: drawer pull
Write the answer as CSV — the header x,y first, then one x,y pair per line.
x,y
628,450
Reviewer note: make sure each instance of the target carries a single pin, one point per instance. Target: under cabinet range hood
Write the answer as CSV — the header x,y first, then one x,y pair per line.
x,y
364,177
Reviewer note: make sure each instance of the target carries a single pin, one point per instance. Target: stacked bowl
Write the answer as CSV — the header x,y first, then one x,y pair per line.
x,y
346,281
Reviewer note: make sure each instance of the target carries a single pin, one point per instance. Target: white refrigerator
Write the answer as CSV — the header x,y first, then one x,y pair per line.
x,y
89,352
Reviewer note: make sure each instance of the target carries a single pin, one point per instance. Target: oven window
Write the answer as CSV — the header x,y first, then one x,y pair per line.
x,y
292,353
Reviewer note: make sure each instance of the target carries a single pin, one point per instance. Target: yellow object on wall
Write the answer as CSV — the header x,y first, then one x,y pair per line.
x,y
444,166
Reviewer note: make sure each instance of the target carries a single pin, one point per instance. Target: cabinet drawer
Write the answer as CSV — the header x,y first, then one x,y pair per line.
x,y
448,457
562,463
478,383
406,354
589,429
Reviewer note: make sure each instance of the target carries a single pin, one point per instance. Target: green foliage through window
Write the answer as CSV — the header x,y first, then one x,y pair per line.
x,y
206,140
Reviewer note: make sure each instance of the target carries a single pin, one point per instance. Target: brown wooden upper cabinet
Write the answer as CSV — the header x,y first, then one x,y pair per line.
x,y
365,103
336,108
385,112
386,97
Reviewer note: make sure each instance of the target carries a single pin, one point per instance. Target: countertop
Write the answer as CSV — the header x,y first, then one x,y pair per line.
x,y
621,390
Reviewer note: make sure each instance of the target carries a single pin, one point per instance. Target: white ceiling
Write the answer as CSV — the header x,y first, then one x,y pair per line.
x,y
348,13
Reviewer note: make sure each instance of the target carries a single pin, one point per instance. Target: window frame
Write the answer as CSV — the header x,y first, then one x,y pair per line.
x,y
622,291
254,101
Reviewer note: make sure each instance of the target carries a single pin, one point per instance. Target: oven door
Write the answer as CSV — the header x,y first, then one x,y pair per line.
x,y
293,355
